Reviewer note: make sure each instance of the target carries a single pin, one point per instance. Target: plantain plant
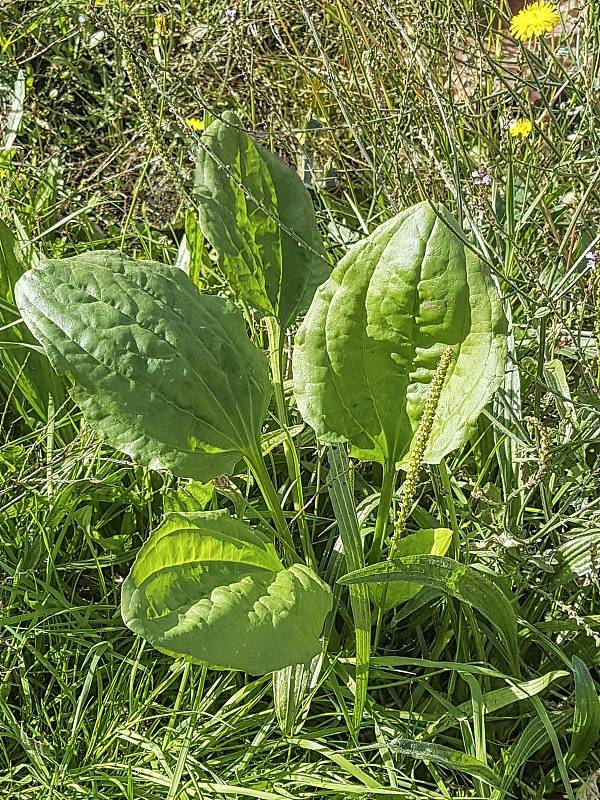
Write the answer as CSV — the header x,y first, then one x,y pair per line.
x,y
168,375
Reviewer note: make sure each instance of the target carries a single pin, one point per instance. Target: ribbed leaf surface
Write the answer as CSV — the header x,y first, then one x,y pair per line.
x,y
208,587
370,343
162,372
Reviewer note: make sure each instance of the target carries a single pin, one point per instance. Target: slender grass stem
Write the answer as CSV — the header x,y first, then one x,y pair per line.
x,y
383,512
449,498
177,704
276,358
174,788
258,468
50,430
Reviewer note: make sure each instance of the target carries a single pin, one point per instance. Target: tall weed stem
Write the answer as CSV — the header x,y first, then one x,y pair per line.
x,y
418,447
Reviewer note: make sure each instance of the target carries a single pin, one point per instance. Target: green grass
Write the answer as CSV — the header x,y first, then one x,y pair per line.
x,y
379,106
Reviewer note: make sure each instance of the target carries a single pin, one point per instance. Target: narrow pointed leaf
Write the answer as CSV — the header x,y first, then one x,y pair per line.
x,y
430,541
445,757
458,580
256,213
534,737
208,587
344,509
269,441
496,700
162,372
586,721
370,343
292,687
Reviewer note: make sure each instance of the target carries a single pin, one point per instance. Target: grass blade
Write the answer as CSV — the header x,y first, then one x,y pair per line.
x,y
458,580
347,521
586,721
446,757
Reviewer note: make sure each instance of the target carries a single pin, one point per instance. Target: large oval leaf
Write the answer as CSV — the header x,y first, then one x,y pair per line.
x,y
370,343
208,587
163,373
256,213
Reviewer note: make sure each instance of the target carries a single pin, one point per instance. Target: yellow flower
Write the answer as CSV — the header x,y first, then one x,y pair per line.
x,y
520,127
534,20
194,123
160,24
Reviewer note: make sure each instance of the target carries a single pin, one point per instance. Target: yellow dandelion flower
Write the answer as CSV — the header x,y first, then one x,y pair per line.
x,y
160,24
533,20
195,124
520,127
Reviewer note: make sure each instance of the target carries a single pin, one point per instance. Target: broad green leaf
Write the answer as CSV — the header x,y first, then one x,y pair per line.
x,y
162,372
445,757
208,587
432,541
370,343
458,580
586,721
259,218
194,496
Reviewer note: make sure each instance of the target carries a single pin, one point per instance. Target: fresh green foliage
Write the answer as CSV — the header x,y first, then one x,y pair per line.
x,y
193,496
372,338
586,720
439,754
169,376
256,213
459,580
162,372
377,108
432,541
26,374
342,502
207,586
291,692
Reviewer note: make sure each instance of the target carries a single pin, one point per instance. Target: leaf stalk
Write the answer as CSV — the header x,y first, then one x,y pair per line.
x,y
276,359
261,475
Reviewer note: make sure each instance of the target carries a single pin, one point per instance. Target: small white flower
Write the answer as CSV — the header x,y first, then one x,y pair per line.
x,y
481,177
230,15
569,199
82,19
592,259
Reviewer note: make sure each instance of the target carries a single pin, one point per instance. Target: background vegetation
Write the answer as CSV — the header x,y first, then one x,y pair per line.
x,y
379,105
